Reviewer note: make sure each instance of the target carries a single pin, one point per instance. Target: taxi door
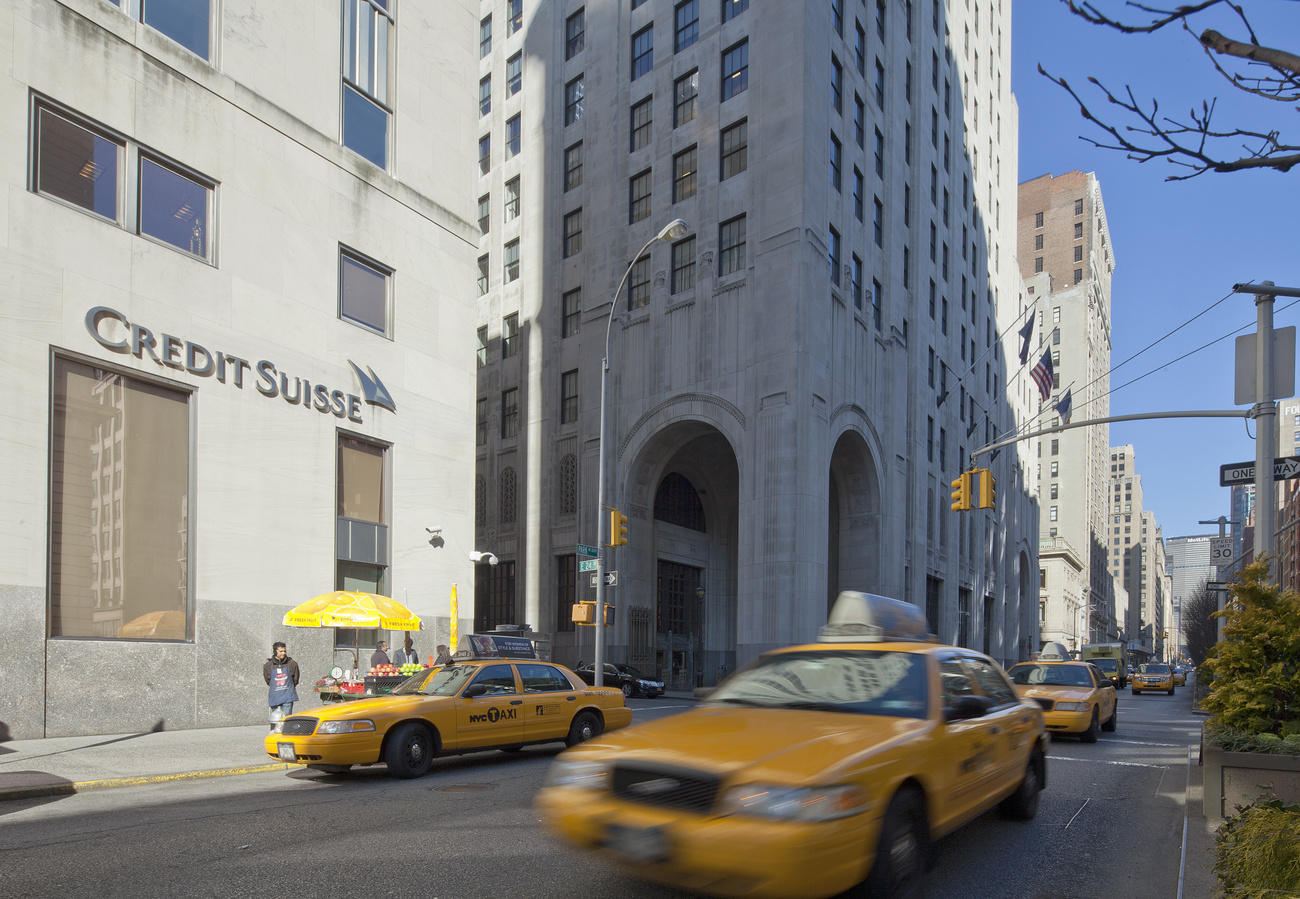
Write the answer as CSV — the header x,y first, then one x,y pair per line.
x,y
1011,724
549,701
495,718
969,751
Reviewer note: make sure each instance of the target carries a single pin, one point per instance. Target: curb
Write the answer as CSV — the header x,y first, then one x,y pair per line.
x,y
85,786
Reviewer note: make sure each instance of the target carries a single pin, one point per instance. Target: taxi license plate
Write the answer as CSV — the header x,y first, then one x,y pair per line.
x,y
285,751
641,844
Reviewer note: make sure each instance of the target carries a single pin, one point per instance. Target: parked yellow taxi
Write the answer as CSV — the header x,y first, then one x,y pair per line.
x,y
1077,697
498,696
1152,676
811,770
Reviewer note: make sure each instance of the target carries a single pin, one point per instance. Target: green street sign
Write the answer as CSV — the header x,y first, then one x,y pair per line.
x,y
588,551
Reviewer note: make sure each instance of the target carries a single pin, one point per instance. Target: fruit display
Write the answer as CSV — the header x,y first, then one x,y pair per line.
x,y
396,670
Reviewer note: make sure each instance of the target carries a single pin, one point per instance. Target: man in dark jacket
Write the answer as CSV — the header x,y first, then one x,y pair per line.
x,y
380,655
281,675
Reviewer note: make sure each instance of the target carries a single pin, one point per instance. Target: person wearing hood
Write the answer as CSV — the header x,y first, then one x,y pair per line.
x,y
281,675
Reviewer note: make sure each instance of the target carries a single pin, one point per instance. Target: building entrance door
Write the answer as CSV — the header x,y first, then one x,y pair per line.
x,y
678,645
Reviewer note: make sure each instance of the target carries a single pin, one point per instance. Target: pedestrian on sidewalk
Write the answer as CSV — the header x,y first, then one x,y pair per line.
x,y
380,655
281,675
444,655
406,654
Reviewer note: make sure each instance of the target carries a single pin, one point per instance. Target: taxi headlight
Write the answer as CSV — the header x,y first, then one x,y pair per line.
x,y
1073,706
580,775
345,727
278,727
795,803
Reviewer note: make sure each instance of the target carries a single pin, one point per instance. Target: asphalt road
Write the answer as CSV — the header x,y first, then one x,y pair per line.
x,y
1109,825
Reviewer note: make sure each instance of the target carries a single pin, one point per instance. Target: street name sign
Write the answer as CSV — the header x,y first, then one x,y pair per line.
x,y
587,565
611,579
1221,551
588,551
1284,469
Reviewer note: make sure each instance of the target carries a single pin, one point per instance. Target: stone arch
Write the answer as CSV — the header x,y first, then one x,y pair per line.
x,y
854,531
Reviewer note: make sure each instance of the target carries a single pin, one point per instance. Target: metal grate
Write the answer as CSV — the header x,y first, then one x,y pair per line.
x,y
671,787
299,727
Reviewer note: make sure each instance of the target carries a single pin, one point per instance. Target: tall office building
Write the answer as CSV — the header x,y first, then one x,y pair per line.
x,y
235,324
1066,259
1137,560
795,380
1189,568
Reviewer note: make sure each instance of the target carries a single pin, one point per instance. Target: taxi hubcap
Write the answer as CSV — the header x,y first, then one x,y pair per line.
x,y
902,855
587,731
416,751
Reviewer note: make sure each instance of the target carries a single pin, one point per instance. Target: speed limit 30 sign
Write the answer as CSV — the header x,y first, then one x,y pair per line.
x,y
1221,551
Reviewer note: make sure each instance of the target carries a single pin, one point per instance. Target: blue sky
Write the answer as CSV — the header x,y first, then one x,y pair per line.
x,y
1179,245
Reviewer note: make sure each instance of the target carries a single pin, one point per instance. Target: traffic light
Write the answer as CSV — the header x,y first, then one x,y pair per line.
x,y
617,528
961,491
584,613
988,489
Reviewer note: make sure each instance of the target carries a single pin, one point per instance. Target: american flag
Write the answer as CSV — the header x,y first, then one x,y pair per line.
x,y
1042,375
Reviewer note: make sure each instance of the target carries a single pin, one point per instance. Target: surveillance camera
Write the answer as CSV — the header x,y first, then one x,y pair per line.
x,y
492,560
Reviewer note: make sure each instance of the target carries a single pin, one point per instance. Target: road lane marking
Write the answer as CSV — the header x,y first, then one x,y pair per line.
x,y
1070,758
1144,743
1076,814
1187,811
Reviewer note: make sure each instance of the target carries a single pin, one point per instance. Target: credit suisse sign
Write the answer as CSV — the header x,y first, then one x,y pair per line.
x,y
113,331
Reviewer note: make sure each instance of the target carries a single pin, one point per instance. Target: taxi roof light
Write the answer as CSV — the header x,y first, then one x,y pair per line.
x,y
1054,652
871,618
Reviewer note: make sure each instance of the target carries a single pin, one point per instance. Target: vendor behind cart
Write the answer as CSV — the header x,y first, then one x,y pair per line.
x,y
281,675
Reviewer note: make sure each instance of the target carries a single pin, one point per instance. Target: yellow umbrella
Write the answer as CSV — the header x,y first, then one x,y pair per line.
x,y
346,608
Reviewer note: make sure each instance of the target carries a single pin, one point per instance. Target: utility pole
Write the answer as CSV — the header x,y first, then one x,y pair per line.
x,y
1219,595
1265,424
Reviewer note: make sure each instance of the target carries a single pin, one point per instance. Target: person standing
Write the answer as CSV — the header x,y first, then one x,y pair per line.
x,y
444,655
380,655
407,653
281,675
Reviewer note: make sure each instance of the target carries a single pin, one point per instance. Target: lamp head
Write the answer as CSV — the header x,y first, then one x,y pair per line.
x,y
478,556
675,229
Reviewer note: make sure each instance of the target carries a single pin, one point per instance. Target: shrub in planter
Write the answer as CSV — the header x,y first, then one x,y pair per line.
x,y
1258,851
1256,667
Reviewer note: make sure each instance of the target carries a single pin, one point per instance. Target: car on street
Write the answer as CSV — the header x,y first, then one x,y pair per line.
x,y
1180,676
815,768
631,681
1077,697
1152,676
496,696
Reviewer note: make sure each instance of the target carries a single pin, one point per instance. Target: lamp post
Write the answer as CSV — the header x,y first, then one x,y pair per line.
x,y
673,230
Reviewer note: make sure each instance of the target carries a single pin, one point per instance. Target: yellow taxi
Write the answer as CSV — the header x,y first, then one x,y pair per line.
x,y
1077,697
1152,676
498,695
1180,676
811,770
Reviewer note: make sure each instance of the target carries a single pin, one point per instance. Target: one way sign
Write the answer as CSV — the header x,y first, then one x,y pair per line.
x,y
1284,469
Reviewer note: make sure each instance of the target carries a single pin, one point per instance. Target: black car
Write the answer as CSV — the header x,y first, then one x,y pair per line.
x,y
632,681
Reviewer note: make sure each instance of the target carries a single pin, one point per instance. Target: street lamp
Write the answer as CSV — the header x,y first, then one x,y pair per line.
x,y
672,231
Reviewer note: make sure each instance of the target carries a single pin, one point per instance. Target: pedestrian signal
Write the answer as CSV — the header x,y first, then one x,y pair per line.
x,y
961,492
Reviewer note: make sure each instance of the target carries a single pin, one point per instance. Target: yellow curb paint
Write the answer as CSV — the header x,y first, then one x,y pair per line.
x,y
143,780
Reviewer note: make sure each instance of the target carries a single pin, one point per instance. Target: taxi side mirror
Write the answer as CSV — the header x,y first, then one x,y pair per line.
x,y
474,690
967,707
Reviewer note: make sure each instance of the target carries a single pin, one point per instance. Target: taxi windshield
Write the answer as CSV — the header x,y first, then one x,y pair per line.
x,y
445,681
862,682
1153,669
1050,676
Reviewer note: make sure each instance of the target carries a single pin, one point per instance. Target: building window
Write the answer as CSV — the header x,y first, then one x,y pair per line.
x,y
855,276
515,16
879,153
1038,264
686,90
510,335
573,96
880,84
366,37
485,154
685,165
575,33
833,241
837,16
120,553
480,422
686,17
485,95
569,485
569,397
642,119
837,84
1078,207
566,590
510,412
512,199
509,498
363,291
859,120
929,438
1078,275
494,596
1038,220
643,51
638,284
361,486
480,501
878,222
735,149
514,128
480,346
570,312
1038,241
1054,491
483,274
731,246
1053,514
683,263
572,233
859,201
836,156
78,165
510,271
1078,253
484,213
485,36
514,74
733,8
877,304
573,166
638,196
175,208
860,48
188,24
735,70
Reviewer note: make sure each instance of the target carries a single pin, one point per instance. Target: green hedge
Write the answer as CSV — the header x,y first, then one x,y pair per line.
x,y
1230,739
1259,851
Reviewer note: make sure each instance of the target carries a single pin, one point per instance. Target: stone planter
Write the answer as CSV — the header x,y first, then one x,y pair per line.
x,y
1239,778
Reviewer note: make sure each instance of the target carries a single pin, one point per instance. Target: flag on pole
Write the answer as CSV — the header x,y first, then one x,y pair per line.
x,y
1025,333
1063,407
1042,375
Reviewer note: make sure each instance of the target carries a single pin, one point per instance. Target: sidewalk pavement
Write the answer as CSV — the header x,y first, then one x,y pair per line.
x,y
61,765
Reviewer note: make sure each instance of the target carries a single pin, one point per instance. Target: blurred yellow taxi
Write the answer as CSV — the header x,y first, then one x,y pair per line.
x,y
1077,698
1180,676
1152,676
811,770
497,696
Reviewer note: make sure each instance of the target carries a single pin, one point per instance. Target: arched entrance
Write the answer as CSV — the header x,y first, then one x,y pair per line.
x,y
853,531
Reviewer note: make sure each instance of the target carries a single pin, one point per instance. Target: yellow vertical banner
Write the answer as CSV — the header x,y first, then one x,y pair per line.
x,y
455,620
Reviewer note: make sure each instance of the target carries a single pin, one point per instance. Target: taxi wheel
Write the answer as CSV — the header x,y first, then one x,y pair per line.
x,y
1090,735
1023,803
1112,721
585,727
409,752
900,854
627,690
